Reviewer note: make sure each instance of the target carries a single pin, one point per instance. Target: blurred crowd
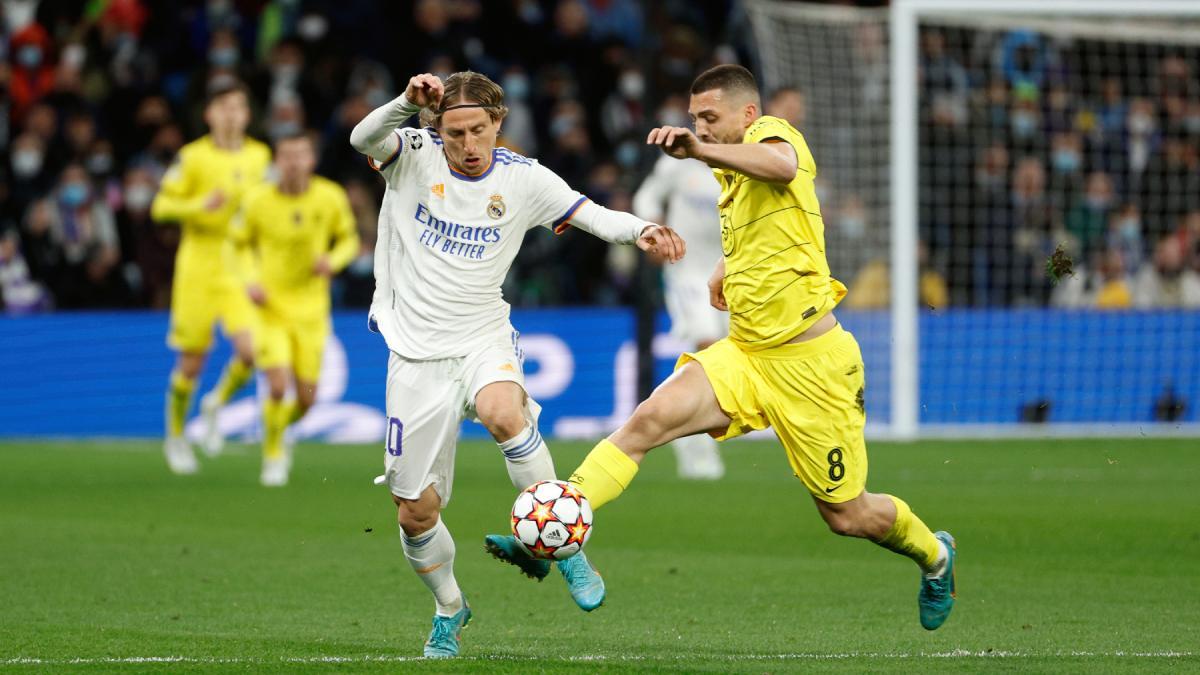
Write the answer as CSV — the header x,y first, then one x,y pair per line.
x,y
97,96
1030,144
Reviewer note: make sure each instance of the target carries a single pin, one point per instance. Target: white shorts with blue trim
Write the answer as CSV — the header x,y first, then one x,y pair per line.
x,y
427,402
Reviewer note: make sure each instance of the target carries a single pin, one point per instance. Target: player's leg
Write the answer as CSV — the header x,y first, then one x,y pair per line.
x,y
429,549
276,416
424,408
694,322
238,318
182,385
503,409
818,413
191,334
709,392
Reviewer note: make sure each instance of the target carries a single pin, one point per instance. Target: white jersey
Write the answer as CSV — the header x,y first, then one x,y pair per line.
x,y
447,241
687,190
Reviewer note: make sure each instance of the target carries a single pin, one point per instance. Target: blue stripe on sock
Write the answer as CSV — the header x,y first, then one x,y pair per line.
x,y
528,449
525,448
420,540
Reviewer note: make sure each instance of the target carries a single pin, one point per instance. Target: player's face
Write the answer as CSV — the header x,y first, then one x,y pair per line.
x,y
468,137
296,159
719,117
228,114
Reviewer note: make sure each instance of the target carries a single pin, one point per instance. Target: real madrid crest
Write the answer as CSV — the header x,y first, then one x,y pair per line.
x,y
496,208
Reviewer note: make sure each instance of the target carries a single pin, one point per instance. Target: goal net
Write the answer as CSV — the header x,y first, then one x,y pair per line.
x,y
1033,194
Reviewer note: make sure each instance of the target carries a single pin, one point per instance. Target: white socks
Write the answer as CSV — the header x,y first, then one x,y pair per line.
x,y
527,458
431,555
939,567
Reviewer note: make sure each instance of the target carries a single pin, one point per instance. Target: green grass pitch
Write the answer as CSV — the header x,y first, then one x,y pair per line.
x,y
1075,556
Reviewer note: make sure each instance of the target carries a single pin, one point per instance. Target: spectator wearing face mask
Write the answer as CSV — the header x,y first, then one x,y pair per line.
x,y
1125,235
83,228
150,246
623,112
1087,220
32,69
28,175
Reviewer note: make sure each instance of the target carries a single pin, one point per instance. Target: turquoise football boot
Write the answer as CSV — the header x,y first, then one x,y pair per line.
x,y
447,633
936,598
584,582
505,547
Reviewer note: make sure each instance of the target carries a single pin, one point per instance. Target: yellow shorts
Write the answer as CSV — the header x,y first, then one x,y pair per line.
x,y
285,342
196,309
811,393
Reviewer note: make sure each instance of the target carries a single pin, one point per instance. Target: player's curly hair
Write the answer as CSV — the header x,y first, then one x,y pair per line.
x,y
467,88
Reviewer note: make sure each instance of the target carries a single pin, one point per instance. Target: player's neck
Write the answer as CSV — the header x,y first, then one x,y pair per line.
x,y
294,187
230,142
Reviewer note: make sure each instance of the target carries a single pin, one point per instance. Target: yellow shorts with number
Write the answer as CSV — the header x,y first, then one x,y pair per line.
x,y
196,309
811,393
284,342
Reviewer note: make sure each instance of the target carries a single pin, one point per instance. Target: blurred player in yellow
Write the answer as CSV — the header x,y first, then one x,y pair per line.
x,y
202,191
292,237
787,362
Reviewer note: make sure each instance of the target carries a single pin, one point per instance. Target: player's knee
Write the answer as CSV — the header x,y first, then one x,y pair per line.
x,y
650,421
843,524
276,391
414,517
306,396
503,421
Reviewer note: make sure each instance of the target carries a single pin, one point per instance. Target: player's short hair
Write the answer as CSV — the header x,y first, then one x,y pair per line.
x,y
727,77
223,86
467,88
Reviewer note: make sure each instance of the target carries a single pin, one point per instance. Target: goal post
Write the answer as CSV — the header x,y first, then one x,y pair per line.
x,y
1031,180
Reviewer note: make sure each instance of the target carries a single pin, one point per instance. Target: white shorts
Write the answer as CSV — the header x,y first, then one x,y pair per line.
x,y
693,320
427,402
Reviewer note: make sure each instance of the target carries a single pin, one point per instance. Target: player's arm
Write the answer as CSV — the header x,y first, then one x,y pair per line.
x,y
375,136
243,242
771,161
716,287
177,199
383,283
555,202
345,236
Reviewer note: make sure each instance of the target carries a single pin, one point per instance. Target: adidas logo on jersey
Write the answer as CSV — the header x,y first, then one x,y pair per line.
x,y
439,190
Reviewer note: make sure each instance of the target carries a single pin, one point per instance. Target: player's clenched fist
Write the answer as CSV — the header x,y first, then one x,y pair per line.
x,y
425,90
678,142
662,241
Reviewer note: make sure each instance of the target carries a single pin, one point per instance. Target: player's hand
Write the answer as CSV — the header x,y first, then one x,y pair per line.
x,y
425,90
678,142
716,287
322,267
215,200
257,295
663,242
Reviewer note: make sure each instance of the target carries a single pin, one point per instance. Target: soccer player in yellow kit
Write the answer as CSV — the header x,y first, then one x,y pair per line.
x,y
787,363
202,191
292,237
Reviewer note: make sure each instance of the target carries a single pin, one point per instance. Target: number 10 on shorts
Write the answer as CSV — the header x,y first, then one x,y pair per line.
x,y
395,434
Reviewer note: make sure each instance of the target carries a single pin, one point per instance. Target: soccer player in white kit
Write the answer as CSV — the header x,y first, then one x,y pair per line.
x,y
453,216
688,192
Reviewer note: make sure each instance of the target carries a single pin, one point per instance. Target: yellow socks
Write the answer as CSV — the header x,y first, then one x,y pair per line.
x,y
235,376
276,416
911,537
604,474
179,399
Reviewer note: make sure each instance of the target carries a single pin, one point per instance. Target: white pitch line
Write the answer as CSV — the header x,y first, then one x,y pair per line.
x,y
387,658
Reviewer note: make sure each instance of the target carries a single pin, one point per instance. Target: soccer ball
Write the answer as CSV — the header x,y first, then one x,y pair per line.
x,y
552,520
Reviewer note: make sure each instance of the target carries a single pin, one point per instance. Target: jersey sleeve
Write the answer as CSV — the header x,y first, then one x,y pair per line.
x,y
551,202
772,129
412,146
176,199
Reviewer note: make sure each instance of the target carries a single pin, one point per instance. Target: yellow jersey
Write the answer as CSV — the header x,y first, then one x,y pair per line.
x,y
279,238
777,281
200,169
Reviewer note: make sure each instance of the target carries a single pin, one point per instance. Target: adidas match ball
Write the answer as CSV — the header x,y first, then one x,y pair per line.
x,y
552,520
